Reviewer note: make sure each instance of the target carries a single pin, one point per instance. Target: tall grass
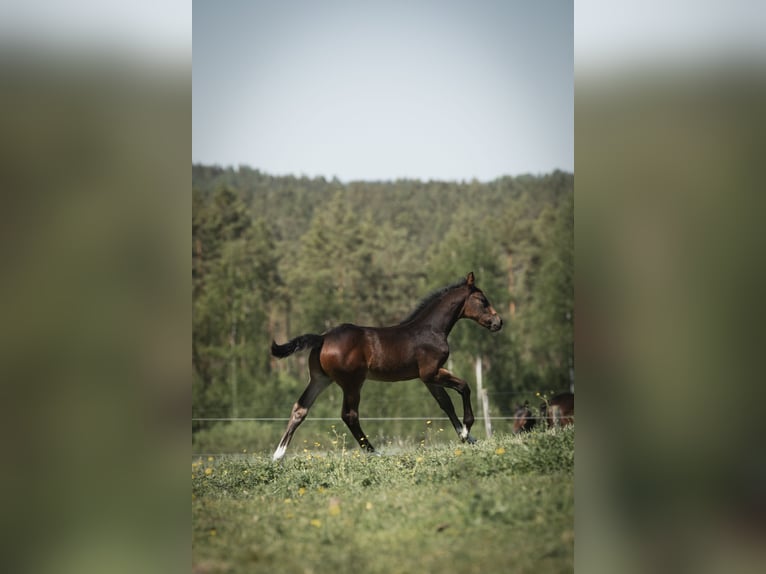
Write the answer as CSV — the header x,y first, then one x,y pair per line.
x,y
244,436
504,504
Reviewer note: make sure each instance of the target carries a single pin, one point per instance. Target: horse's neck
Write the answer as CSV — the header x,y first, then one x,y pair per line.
x,y
442,315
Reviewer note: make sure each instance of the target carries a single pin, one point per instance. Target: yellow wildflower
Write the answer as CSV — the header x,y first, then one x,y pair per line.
x,y
500,450
316,522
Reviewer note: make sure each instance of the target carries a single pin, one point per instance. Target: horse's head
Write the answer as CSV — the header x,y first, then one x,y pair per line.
x,y
522,418
478,307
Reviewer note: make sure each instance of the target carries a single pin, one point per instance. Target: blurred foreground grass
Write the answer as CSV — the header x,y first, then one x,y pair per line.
x,y
669,284
504,504
94,156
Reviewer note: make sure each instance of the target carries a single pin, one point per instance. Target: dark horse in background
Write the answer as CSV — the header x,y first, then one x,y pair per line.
x,y
415,348
523,419
559,411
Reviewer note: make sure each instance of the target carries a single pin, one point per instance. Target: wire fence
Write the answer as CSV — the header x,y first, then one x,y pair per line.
x,y
402,433
382,404
398,422
285,419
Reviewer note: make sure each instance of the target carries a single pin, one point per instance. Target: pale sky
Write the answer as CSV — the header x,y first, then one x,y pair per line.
x,y
151,31
388,88
613,36
384,90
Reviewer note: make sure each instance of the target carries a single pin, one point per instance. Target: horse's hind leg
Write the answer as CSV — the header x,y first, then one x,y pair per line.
x,y
441,396
317,383
350,414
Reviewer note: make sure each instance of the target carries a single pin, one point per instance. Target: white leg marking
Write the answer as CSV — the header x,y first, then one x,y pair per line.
x,y
279,453
464,433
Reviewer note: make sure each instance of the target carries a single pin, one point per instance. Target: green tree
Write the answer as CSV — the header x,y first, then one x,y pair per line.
x,y
553,319
231,305
276,256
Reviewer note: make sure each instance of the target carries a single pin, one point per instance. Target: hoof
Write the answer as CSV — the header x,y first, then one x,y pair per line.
x,y
279,453
469,439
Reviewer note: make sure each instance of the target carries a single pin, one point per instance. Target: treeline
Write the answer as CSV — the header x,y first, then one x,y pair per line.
x,y
274,257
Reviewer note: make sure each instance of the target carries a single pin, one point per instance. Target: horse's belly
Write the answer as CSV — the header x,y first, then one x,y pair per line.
x,y
395,374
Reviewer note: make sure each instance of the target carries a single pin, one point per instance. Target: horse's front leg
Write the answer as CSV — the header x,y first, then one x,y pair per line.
x,y
445,402
445,378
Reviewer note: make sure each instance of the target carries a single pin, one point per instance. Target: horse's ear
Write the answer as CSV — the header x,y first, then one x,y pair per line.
x,y
469,279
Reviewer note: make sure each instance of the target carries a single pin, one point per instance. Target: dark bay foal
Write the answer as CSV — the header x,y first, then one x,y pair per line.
x,y
415,348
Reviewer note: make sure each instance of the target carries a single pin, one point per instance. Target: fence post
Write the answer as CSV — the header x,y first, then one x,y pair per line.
x,y
487,421
483,397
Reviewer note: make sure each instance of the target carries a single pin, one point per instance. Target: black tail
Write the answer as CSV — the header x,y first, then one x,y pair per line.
x,y
308,341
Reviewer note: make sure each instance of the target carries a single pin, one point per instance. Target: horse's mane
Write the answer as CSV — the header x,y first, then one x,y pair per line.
x,y
428,299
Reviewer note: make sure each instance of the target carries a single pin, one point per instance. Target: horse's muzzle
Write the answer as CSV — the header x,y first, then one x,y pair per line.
x,y
495,324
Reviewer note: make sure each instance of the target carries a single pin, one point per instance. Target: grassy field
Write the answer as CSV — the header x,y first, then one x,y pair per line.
x,y
502,505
